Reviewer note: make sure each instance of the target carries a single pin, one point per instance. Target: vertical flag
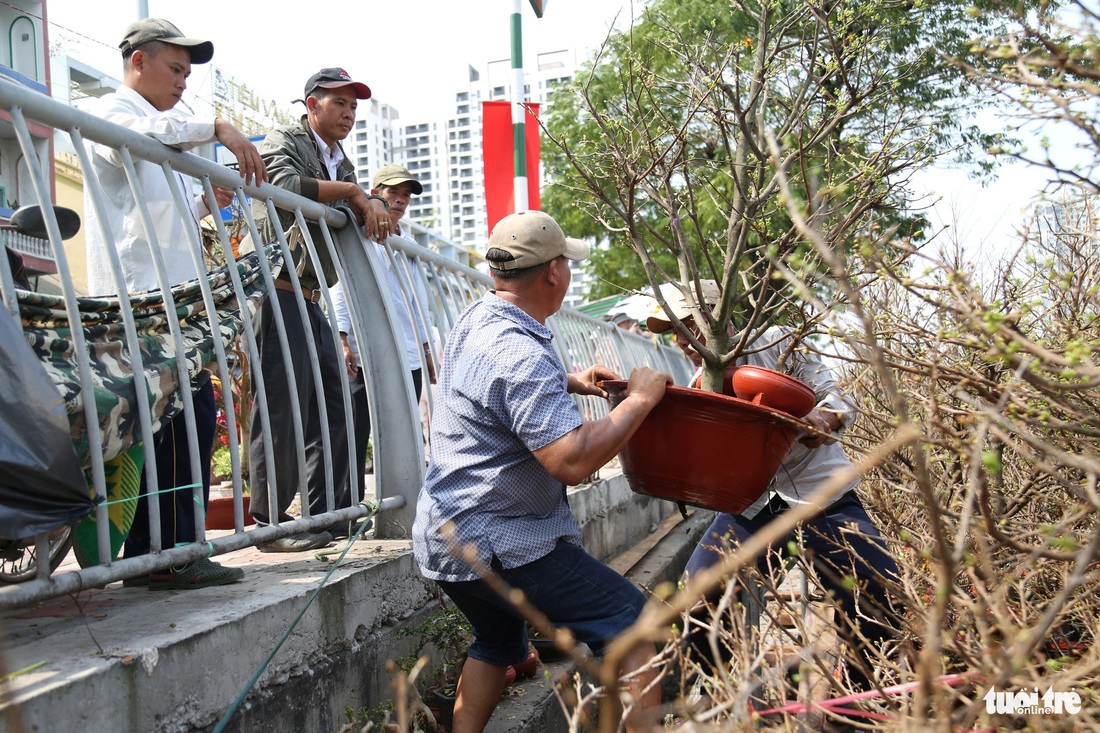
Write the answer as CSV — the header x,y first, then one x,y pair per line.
x,y
496,151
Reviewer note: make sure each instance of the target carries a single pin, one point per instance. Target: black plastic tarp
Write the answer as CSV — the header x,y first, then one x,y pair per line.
x,y
42,485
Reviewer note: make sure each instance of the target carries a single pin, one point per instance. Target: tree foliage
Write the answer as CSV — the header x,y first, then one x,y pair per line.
x,y
663,146
1045,65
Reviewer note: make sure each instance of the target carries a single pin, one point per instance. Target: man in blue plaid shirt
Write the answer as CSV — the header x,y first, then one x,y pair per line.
x,y
506,440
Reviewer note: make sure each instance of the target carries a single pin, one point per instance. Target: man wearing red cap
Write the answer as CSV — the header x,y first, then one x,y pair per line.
x,y
157,60
307,159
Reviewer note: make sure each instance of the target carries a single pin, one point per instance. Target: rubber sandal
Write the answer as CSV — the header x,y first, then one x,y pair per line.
x,y
200,574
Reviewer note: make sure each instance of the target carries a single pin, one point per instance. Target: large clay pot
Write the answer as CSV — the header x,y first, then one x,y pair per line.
x,y
706,449
219,513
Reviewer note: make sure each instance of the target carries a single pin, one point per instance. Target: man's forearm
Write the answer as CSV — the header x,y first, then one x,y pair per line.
x,y
586,449
329,191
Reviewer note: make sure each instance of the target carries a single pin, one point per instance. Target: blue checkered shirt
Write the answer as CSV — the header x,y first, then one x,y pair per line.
x,y
502,394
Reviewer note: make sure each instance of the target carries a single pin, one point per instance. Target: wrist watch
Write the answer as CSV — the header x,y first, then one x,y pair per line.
x,y
376,197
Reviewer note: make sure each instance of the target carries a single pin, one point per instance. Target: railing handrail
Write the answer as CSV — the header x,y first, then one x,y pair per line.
x,y
46,110
450,288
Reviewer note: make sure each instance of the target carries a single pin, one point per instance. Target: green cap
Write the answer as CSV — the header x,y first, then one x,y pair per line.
x,y
395,175
158,29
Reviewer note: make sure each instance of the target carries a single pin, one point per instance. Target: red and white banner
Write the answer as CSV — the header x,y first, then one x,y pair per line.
x,y
496,150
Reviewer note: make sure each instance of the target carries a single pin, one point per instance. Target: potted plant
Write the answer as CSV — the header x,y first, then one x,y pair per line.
x,y
448,634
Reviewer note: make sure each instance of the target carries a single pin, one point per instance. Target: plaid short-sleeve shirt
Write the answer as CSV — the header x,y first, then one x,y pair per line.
x,y
502,394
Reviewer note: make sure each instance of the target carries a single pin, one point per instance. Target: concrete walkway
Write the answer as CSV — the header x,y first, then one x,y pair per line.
x,y
129,659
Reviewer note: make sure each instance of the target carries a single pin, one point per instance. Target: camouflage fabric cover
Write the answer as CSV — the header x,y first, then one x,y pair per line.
x,y
46,327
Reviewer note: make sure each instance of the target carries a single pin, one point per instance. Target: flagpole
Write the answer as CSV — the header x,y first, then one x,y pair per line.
x,y
519,140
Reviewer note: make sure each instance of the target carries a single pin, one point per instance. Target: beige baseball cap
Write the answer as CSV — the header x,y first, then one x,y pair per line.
x,y
532,237
395,175
680,299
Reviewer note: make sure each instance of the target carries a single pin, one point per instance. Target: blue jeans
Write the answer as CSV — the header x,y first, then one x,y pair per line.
x,y
840,542
572,588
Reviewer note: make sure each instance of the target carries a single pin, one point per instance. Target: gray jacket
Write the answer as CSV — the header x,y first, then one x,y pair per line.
x,y
294,163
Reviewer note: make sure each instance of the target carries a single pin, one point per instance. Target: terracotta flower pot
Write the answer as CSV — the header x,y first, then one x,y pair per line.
x,y
219,513
706,449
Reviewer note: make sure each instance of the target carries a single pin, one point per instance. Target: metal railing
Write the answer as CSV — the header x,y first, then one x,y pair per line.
x,y
398,449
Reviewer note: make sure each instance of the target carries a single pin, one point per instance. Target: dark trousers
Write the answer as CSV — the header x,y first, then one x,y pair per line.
x,y
173,456
269,362
842,543
361,417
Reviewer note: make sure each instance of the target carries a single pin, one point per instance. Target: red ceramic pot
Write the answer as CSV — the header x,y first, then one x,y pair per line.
x,y
706,449
774,389
219,513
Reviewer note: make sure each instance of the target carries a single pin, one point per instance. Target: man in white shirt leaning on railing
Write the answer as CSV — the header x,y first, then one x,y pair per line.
x,y
157,60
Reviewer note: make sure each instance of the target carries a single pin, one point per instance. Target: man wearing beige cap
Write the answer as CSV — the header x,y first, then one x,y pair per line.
x,y
506,440
397,186
157,60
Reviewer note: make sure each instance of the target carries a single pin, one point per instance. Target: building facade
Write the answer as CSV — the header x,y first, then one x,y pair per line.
x,y
24,60
445,154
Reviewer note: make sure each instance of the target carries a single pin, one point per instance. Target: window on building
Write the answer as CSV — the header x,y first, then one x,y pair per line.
x,y
497,92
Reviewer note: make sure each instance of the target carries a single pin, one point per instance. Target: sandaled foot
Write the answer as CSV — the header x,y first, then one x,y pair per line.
x,y
200,574
302,542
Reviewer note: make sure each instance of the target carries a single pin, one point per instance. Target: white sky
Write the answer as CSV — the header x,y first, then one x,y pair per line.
x,y
414,54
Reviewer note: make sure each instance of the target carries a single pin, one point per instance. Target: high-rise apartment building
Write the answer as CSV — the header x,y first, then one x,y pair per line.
x,y
445,154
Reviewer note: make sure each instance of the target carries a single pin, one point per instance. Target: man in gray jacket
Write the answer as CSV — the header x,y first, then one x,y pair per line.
x,y
307,159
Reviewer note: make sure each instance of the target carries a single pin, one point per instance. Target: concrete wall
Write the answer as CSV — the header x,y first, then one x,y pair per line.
x,y
133,660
